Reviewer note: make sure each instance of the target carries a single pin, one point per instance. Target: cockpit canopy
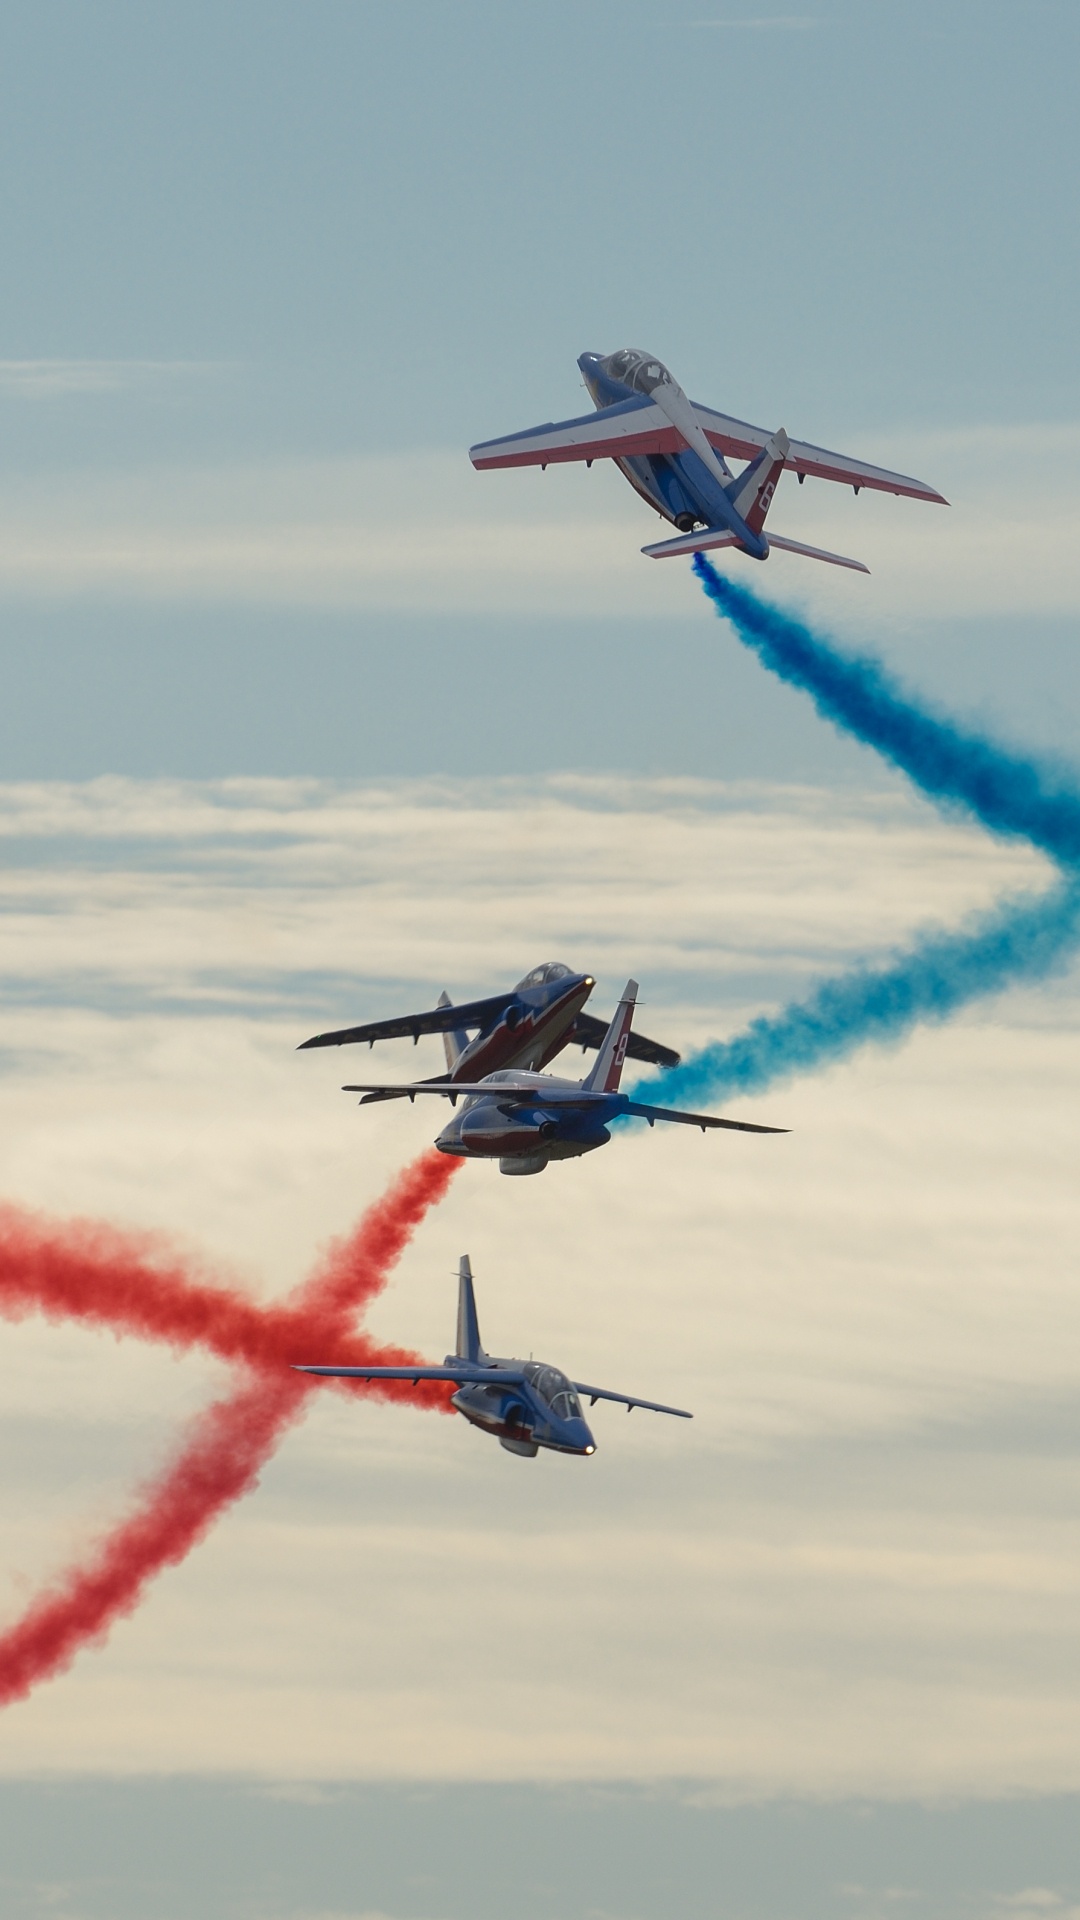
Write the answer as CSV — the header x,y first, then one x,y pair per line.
x,y
636,369
540,976
556,1389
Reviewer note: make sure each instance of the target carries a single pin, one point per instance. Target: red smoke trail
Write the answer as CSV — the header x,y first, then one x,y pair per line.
x,y
103,1278
134,1283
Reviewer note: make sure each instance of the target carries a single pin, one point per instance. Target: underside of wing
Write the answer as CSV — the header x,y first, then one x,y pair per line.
x,y
628,1400
450,1089
587,1031
436,1084
474,1013
701,1120
632,427
505,1092
738,440
465,1375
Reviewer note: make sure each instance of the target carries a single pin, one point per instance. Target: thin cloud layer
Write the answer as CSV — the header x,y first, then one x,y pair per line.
x,y
870,1519
421,532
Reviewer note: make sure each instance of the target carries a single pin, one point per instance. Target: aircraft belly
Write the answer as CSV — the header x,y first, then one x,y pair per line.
x,y
540,1036
572,1149
662,484
492,1410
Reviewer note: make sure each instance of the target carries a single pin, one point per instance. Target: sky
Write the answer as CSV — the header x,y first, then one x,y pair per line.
x,y
303,721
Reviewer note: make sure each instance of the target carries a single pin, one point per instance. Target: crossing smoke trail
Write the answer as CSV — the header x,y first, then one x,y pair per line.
x,y
103,1278
1021,939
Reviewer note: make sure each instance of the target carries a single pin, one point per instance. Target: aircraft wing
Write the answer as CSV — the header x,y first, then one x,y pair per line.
x,y
738,440
627,1400
507,1095
505,1092
474,1013
701,1120
631,427
394,1090
587,1031
465,1375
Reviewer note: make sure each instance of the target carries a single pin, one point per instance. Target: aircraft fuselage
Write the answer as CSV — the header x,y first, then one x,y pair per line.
x,y
531,1030
542,1411
680,487
524,1138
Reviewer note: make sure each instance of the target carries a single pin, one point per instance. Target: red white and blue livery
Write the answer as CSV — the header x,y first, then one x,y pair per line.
x,y
525,1119
523,1404
675,454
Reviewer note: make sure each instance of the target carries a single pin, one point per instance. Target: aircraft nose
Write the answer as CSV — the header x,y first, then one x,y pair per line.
x,y
580,1437
589,362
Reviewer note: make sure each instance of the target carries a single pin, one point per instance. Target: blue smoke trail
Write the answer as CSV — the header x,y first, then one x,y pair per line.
x,y
1022,939
1007,794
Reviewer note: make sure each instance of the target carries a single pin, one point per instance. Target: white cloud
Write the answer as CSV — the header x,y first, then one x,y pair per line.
x,y
59,379
856,1571
421,532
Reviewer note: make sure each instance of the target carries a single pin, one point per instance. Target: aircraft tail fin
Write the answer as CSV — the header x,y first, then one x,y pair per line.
x,y
751,494
468,1345
455,1043
606,1071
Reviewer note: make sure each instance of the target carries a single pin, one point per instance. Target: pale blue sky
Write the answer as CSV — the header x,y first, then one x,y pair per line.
x,y
305,233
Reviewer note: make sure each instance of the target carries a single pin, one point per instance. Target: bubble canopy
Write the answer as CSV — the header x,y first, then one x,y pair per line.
x,y
541,976
636,369
554,1387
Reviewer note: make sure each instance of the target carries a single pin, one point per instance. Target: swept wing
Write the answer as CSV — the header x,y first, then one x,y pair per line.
x,y
628,1400
701,1120
474,1013
636,426
463,1372
506,1095
588,1031
739,440
639,426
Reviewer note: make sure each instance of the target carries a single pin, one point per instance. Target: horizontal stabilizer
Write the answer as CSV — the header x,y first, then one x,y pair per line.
x,y
702,542
814,553
711,537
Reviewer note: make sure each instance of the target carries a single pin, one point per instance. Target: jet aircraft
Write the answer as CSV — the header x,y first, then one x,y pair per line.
x,y
525,1027
524,1119
524,1404
672,451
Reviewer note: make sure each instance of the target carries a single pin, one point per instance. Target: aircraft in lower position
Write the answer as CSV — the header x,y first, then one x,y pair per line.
x,y
674,453
523,1027
524,1119
524,1404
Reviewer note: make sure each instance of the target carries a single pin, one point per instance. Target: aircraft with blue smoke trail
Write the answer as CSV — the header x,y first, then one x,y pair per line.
x,y
523,1027
524,1404
524,1119
675,454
